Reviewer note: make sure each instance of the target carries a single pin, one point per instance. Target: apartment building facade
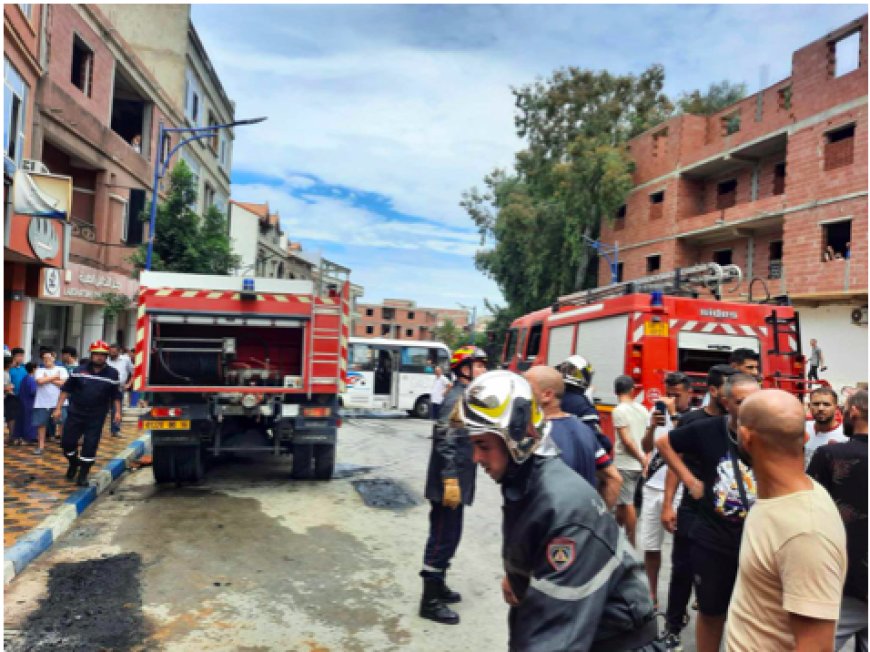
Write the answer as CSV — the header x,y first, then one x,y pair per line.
x,y
402,319
94,116
165,39
775,183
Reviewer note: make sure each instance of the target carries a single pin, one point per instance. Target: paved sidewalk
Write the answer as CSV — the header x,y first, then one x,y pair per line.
x,y
34,485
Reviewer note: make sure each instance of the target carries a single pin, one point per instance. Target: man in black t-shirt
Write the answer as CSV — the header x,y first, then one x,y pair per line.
x,y
724,490
679,522
842,469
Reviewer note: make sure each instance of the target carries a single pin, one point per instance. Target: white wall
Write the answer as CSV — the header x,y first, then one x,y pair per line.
x,y
843,344
244,229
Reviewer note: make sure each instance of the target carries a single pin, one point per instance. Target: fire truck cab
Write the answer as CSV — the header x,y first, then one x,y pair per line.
x,y
641,329
240,365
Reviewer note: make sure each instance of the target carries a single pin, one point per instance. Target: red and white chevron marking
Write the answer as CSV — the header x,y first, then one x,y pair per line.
x,y
718,328
139,355
230,294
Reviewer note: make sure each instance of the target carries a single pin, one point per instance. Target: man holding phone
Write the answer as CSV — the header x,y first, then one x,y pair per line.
x,y
666,416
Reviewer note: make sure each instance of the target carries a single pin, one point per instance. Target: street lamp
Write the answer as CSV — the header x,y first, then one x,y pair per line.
x,y
160,165
607,251
473,310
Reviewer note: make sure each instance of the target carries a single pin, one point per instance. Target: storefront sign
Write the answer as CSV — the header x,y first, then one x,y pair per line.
x,y
43,238
83,284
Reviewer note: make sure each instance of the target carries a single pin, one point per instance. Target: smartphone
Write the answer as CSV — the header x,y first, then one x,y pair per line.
x,y
661,407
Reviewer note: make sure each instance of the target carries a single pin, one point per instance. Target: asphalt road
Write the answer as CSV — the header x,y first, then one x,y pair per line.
x,y
251,560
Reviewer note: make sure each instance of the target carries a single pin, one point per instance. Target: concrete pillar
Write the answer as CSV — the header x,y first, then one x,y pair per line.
x,y
74,327
92,326
28,314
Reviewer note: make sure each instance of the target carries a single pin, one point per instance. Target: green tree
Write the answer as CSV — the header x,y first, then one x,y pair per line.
x,y
450,334
184,241
717,97
573,174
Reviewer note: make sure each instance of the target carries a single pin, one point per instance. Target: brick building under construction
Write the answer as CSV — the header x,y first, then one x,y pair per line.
x,y
775,183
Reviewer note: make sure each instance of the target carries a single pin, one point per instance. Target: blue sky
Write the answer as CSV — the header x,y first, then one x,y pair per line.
x,y
380,116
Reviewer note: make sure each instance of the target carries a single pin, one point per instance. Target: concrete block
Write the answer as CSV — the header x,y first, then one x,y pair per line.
x,y
101,480
60,521
28,548
82,498
8,571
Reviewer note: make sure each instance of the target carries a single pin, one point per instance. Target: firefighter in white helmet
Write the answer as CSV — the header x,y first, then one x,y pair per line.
x,y
571,578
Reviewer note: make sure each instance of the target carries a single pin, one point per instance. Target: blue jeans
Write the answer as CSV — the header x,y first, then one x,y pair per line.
x,y
115,428
434,410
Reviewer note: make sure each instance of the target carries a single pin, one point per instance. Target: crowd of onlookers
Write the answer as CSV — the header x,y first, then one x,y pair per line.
x,y
763,490
31,390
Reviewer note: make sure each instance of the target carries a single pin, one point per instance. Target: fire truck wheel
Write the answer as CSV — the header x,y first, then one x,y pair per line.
x,y
177,464
302,454
188,464
421,408
163,464
324,461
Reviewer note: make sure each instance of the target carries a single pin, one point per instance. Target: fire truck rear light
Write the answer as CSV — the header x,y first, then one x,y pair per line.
x,y
316,412
166,412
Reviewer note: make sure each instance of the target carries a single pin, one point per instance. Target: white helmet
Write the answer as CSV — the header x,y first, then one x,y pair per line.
x,y
576,371
501,402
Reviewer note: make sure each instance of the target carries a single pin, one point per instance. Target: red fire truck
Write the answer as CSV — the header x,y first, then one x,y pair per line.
x,y
240,365
650,326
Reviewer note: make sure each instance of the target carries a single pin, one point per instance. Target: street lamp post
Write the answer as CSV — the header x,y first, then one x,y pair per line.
x,y
160,165
610,253
473,310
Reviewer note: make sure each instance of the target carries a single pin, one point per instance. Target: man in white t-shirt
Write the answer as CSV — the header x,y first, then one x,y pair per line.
x,y
49,379
440,385
678,393
124,367
823,429
629,423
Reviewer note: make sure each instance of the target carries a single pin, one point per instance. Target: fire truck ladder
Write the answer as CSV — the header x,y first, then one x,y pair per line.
x,y
708,276
330,353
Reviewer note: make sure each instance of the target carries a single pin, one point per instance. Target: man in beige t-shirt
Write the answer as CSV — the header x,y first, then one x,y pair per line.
x,y
629,424
793,551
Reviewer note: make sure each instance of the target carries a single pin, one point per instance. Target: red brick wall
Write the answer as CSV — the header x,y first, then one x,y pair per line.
x,y
690,204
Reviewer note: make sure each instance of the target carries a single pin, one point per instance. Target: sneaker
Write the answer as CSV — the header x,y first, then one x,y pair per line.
x,y
37,451
672,642
116,434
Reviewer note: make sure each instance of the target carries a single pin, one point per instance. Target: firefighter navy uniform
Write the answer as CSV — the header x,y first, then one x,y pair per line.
x,y
577,580
451,457
91,394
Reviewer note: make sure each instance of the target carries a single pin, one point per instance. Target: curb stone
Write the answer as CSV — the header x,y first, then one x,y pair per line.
x,y
17,556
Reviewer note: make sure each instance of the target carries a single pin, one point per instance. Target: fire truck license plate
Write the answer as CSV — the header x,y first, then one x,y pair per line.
x,y
655,329
166,425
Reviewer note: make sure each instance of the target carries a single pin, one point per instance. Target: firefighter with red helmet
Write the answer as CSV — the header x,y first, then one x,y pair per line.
x,y
91,390
449,487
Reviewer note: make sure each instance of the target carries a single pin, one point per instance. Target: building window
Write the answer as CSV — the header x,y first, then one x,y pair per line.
x,y
731,123
660,141
208,197
839,147
27,10
370,330
726,194
82,72
837,240
15,108
653,263
722,257
779,179
214,141
388,313
223,149
784,97
620,268
370,312
409,332
619,221
192,99
656,203
385,329
844,54
411,314
167,146
774,265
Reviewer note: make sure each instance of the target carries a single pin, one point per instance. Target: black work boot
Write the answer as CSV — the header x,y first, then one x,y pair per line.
x,y
448,595
84,468
432,606
73,460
